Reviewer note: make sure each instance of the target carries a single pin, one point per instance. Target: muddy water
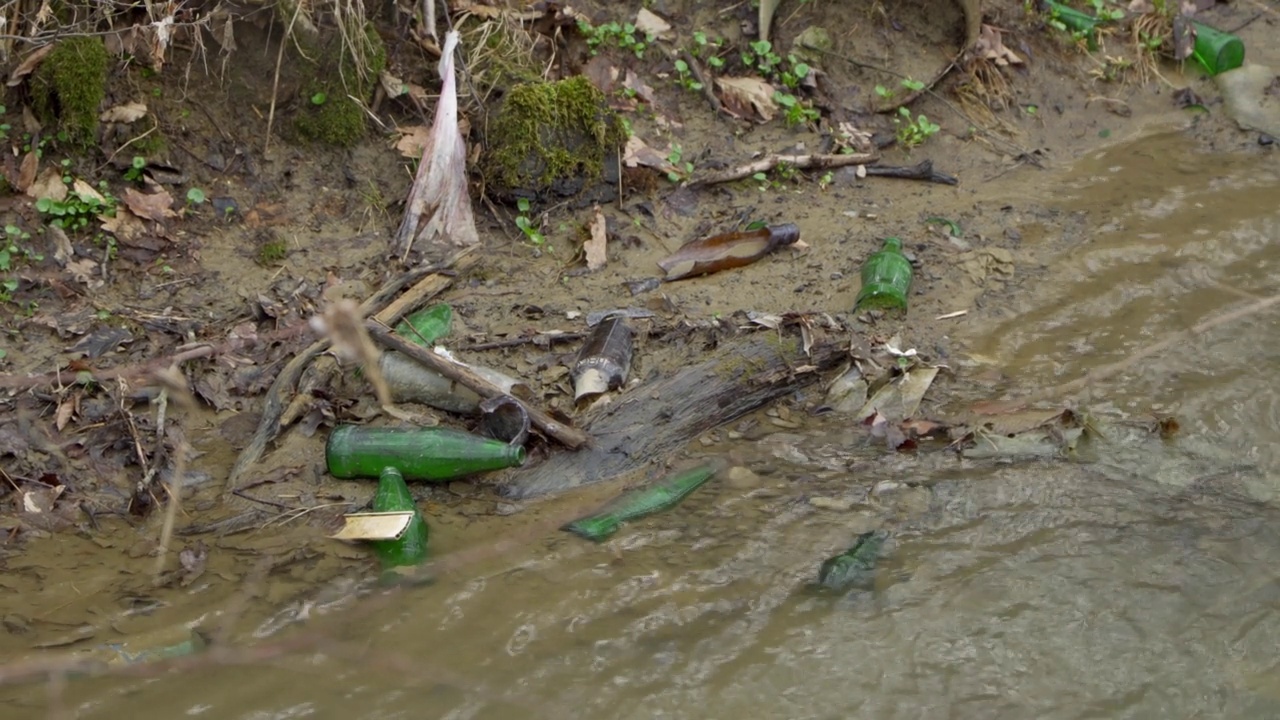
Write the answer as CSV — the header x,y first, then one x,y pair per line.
x,y
1139,586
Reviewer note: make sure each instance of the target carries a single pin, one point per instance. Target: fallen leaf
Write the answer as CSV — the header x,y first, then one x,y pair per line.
x,y
63,414
27,171
86,193
990,46
62,250
395,87
85,272
595,246
638,154
747,96
126,113
125,225
29,64
649,23
48,185
602,73
638,86
413,140
153,206
40,500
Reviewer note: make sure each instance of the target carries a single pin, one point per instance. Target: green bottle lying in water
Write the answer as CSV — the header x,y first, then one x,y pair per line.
x,y
855,566
886,279
638,503
393,496
418,453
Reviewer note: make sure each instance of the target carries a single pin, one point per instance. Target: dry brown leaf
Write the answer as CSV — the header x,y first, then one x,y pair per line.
x,y
126,226
990,46
63,414
413,140
638,154
48,184
85,272
649,23
154,206
594,247
27,171
638,86
745,97
62,250
28,65
126,113
85,192
395,87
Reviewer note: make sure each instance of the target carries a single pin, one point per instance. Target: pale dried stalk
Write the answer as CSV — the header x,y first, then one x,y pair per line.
x,y
438,210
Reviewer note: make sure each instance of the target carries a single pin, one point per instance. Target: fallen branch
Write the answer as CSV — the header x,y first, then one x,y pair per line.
x,y
922,170
769,162
570,437
427,281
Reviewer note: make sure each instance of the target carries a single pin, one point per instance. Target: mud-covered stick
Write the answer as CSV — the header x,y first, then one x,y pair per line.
x,y
571,437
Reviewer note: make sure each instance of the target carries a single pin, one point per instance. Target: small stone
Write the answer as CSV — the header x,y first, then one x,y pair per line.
x,y
734,435
741,478
826,503
837,276
504,509
788,424
706,441
1013,234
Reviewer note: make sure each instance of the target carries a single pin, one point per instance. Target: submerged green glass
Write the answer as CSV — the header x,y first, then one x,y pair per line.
x,y
426,326
393,496
418,453
645,501
1217,51
855,565
886,279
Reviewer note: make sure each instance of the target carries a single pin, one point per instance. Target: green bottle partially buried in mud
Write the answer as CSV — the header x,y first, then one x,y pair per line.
x,y
411,547
853,567
418,453
645,501
886,279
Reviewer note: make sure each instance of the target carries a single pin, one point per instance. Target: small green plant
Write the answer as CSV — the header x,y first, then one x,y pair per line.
x,y
1104,12
532,232
14,250
195,196
319,98
684,77
913,131
622,35
912,85
272,252
134,173
826,180
681,168
792,76
4,127
705,47
794,110
884,92
762,57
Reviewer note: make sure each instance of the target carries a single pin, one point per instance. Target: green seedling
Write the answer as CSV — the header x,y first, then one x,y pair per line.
x,y
532,232
913,131
705,47
681,168
621,35
684,77
795,111
195,196
319,99
134,173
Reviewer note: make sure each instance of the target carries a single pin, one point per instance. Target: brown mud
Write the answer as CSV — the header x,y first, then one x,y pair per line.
x,y
83,515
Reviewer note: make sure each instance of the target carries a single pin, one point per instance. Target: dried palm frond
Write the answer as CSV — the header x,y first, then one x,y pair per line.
x,y
438,211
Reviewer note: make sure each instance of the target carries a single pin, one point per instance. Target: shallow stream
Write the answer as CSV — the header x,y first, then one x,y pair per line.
x,y
1139,586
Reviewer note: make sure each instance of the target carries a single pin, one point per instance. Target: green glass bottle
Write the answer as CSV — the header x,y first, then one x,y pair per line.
x,y
1217,51
393,496
853,567
638,503
427,326
886,279
418,453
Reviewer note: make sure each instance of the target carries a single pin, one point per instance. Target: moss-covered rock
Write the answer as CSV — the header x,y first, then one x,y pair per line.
x,y
68,88
551,138
329,114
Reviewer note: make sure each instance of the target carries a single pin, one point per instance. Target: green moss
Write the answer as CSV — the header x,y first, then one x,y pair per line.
x,y
272,252
68,88
548,133
339,120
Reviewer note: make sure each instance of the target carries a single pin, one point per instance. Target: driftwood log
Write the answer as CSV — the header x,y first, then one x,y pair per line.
x,y
651,422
